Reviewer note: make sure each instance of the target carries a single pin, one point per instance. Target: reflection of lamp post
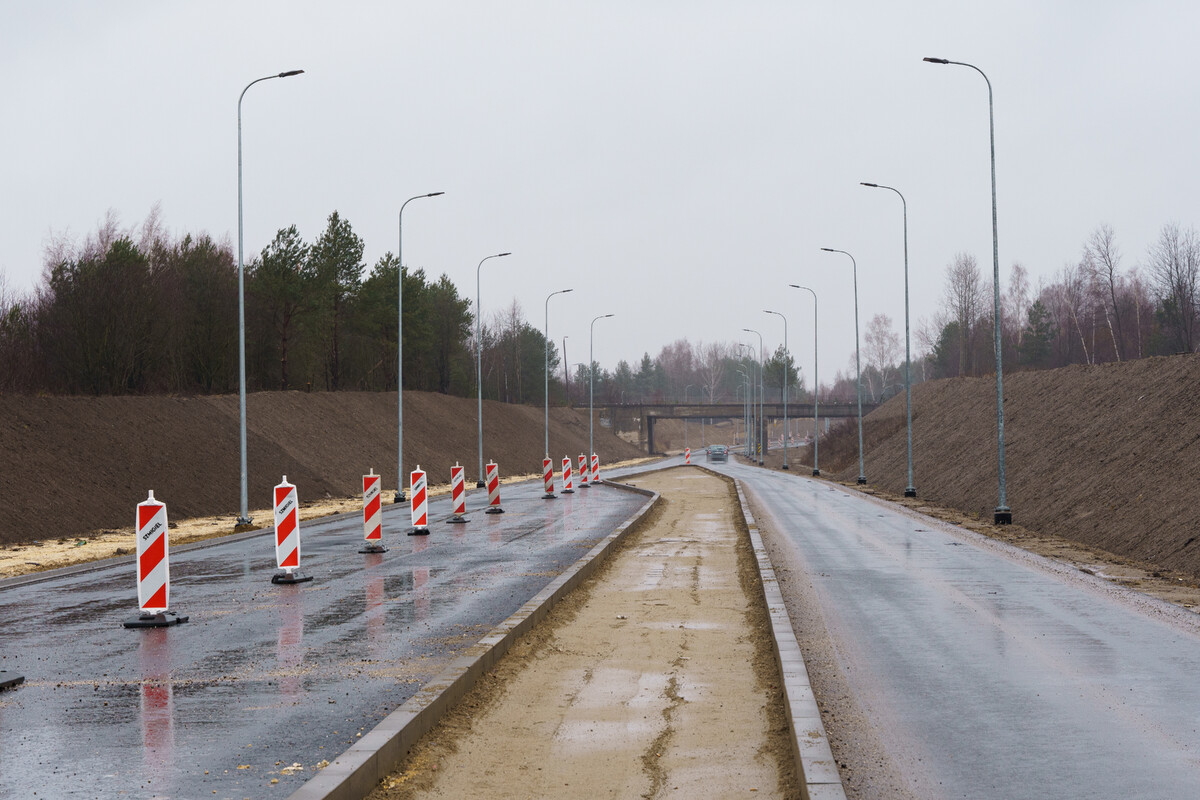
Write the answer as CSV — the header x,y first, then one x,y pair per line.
x,y
910,490
787,378
762,442
546,365
592,383
244,517
1003,514
479,484
862,478
400,345
816,383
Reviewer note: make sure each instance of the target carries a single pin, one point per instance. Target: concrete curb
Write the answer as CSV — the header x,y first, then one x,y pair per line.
x,y
355,773
810,745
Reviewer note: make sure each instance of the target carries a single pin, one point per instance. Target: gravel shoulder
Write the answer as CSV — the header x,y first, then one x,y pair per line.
x,y
655,679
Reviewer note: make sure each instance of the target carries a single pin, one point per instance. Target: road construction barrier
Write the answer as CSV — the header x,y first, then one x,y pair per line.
x,y
458,492
493,487
153,570
419,503
568,481
595,468
373,513
583,471
687,455
287,534
548,478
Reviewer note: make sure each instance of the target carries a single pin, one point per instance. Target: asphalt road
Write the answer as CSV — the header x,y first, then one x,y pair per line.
x,y
987,672
265,676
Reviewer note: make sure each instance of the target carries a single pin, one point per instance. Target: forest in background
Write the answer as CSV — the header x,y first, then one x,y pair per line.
x,y
141,311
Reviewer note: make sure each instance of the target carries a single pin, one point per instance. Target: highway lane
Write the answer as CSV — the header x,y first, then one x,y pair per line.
x,y
988,672
264,676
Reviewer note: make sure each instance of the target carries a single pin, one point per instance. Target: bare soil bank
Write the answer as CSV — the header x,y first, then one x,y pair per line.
x,y
1103,455
75,465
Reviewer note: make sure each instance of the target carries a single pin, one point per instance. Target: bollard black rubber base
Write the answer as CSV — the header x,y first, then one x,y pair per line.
x,y
8,680
910,492
584,485
163,620
373,548
494,510
289,578
419,532
549,497
456,519
1003,517
568,491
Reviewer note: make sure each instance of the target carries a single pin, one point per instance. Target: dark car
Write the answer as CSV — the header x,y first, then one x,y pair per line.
x,y
718,452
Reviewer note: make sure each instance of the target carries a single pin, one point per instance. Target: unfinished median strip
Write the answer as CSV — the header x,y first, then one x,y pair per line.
x,y
657,678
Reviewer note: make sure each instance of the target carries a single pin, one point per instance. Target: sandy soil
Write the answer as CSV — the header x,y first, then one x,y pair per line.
x,y
655,679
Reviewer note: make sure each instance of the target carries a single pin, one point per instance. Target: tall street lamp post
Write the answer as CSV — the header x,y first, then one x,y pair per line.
x,y
592,383
244,516
1003,514
909,490
686,445
862,477
762,442
400,345
546,365
746,400
816,383
479,484
787,378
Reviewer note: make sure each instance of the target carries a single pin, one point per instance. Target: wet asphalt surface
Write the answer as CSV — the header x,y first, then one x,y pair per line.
x,y
264,676
984,671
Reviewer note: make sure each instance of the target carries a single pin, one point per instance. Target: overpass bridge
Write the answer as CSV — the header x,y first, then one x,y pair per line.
x,y
642,416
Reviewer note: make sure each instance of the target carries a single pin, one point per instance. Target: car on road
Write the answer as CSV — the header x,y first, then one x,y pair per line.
x,y
717,452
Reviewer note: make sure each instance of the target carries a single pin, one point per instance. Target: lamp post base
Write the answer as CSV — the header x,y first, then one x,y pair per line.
x,y
480,485
910,492
816,473
862,479
1003,516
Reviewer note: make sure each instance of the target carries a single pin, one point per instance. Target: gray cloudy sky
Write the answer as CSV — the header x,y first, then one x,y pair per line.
x,y
676,163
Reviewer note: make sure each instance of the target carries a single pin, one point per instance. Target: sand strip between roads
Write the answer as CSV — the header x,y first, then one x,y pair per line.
x,y
656,678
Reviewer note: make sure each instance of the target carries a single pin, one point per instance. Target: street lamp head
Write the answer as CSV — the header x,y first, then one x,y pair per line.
x,y
936,60
435,194
291,72
872,185
564,291
829,250
500,255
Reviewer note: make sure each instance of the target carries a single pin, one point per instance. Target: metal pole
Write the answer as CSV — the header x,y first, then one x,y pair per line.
x,y
244,515
816,384
685,425
862,478
546,365
592,382
479,484
787,378
1003,514
910,490
400,346
762,442
566,378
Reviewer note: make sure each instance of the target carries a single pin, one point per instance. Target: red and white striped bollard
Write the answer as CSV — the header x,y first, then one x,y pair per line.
x,y
583,471
153,570
493,487
419,502
287,534
568,482
458,492
595,468
687,455
548,479
373,513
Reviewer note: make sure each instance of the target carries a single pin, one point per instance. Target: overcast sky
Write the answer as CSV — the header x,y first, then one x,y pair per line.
x,y
677,164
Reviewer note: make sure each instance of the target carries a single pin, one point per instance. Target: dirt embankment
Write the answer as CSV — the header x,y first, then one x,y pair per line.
x,y
1103,455
75,465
